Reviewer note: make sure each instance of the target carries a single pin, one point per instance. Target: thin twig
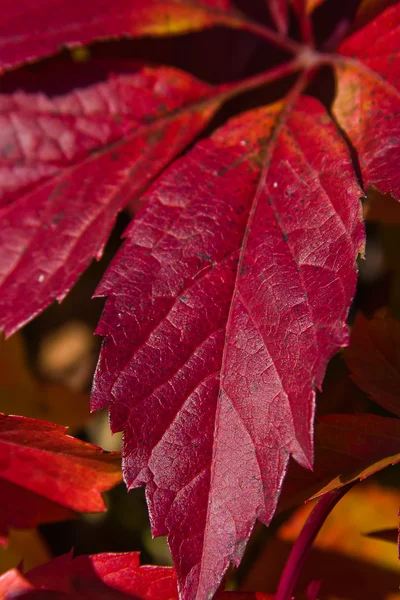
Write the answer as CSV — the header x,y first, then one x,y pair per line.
x,y
306,25
302,546
232,89
282,41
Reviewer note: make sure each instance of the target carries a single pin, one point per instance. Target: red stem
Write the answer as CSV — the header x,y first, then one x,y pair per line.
x,y
305,25
244,85
270,35
302,546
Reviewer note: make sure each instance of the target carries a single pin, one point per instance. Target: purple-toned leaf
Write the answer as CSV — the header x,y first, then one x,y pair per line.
x,y
223,308
67,166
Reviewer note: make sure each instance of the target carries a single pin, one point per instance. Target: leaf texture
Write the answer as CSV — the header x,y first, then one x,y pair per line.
x,y
347,448
367,104
67,166
374,359
29,31
223,308
46,475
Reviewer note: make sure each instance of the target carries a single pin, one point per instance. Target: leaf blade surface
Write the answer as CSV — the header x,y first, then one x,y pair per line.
x,y
367,103
46,475
71,163
203,390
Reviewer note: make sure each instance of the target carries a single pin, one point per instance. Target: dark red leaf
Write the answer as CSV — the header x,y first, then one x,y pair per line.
x,y
70,163
101,577
31,30
374,359
347,448
46,475
224,306
367,104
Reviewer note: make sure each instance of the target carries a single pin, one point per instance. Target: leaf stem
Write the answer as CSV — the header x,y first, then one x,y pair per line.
x,y
302,546
282,41
306,25
289,68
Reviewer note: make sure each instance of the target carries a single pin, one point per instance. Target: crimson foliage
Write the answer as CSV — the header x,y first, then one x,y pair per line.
x,y
231,291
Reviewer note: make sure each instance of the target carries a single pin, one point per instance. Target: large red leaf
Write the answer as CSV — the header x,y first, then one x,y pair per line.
x,y
224,306
101,577
68,164
367,104
30,30
347,448
46,475
374,359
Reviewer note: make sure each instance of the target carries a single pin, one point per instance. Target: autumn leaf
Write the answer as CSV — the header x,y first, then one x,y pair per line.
x,y
347,448
46,475
367,102
215,389
231,291
67,166
374,359
102,577
30,31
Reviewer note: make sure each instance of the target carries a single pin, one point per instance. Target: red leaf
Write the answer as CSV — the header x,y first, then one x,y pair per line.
x,y
46,475
70,163
374,359
224,306
367,104
102,576
347,448
31,30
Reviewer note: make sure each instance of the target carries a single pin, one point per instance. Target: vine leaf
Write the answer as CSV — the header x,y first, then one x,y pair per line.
x,y
31,31
67,166
367,103
223,308
72,474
